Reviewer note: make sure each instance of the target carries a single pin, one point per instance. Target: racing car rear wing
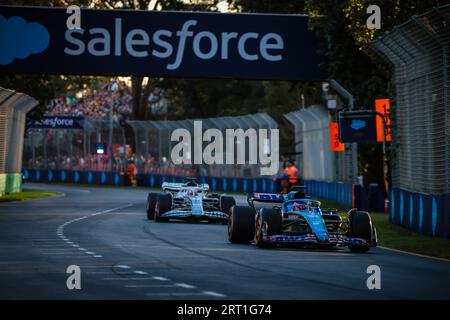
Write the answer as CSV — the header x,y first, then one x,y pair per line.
x,y
265,197
174,187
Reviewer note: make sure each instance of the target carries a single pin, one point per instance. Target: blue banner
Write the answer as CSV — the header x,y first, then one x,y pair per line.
x,y
56,123
158,43
357,126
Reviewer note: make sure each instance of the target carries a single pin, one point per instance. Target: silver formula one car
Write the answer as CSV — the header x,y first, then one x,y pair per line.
x,y
296,219
188,201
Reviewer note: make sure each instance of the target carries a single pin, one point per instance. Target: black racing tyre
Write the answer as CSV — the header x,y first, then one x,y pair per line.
x,y
151,201
360,227
163,205
226,202
241,224
271,219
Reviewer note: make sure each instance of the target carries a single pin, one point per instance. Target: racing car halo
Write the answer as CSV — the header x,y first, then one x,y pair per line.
x,y
297,219
188,201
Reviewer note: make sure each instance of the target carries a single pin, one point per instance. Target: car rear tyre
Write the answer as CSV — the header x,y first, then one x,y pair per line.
x,y
151,201
226,203
270,220
163,205
241,224
360,227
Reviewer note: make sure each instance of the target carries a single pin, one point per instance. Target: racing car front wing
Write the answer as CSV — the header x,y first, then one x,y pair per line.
x,y
205,215
312,239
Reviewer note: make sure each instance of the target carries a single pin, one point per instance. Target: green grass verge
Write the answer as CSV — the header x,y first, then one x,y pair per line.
x,y
396,237
27,194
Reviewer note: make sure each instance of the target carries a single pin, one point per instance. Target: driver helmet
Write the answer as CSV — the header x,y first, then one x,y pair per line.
x,y
296,206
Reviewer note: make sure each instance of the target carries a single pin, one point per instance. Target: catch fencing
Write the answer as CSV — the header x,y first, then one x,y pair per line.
x,y
64,149
312,147
419,53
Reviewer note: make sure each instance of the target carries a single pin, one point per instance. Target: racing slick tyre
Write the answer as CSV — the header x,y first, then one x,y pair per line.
x,y
360,227
226,202
163,205
151,201
241,224
270,221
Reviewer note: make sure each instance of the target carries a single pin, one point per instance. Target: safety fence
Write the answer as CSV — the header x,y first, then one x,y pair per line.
x,y
59,149
421,212
342,193
418,51
312,147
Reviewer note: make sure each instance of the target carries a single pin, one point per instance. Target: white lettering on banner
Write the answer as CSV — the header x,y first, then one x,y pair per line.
x,y
56,122
164,45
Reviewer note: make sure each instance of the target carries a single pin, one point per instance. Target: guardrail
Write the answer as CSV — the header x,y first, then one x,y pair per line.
x,y
420,212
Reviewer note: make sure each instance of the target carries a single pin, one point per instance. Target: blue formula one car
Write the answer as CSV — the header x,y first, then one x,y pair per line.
x,y
296,219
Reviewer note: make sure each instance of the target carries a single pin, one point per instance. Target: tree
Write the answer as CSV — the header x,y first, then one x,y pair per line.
x,y
140,91
341,27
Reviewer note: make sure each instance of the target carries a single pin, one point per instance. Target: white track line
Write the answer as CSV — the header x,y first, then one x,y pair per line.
x,y
160,278
140,272
60,230
149,286
214,294
127,279
185,285
414,254
176,294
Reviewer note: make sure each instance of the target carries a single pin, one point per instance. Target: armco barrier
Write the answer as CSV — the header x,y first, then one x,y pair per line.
x,y
146,180
422,213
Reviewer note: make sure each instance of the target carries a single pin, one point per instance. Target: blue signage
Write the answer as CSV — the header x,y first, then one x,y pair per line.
x,y
56,123
158,43
357,126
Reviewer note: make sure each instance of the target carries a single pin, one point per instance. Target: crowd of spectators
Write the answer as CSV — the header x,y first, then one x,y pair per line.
x,y
93,162
94,104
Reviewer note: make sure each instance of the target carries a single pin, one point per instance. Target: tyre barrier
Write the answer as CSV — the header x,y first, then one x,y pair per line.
x,y
420,212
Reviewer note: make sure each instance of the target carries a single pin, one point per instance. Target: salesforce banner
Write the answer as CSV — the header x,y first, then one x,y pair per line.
x,y
179,44
56,123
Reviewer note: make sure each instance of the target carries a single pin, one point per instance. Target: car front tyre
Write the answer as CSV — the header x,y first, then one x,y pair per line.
x,y
360,227
241,224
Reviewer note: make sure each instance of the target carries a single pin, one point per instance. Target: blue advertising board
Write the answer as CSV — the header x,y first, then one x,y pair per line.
x,y
56,122
357,126
158,43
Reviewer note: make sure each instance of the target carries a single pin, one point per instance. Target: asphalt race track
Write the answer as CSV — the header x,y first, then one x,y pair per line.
x,y
122,255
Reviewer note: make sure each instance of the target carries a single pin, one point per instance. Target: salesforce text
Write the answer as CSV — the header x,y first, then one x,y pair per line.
x,y
205,44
